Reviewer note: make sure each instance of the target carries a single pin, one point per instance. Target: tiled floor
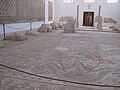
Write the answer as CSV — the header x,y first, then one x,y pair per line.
x,y
91,57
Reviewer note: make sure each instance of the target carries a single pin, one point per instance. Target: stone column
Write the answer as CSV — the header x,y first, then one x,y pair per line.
x,y
100,20
77,16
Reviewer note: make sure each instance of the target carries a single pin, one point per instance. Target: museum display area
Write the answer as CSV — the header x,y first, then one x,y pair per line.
x,y
59,44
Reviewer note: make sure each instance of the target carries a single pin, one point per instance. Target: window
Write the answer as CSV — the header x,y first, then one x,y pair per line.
x,y
68,1
89,1
112,1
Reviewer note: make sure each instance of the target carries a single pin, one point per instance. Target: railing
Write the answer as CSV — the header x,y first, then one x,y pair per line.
x,y
20,28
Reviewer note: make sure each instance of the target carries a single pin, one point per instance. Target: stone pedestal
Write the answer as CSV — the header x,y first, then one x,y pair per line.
x,y
70,27
45,28
99,26
98,20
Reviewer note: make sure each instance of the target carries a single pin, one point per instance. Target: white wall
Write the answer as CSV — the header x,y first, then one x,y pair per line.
x,y
70,9
20,26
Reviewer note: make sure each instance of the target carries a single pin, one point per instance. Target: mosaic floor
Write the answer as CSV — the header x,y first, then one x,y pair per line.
x,y
90,57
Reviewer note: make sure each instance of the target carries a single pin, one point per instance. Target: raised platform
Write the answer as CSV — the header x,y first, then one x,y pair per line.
x,y
105,29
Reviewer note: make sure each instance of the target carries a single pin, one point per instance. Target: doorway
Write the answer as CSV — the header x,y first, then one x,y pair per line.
x,y
88,18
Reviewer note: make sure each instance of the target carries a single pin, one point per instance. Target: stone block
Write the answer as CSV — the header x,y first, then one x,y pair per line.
x,y
70,27
54,26
8,37
16,37
31,33
1,44
45,28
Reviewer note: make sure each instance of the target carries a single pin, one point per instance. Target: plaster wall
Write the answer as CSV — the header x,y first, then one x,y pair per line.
x,y
111,10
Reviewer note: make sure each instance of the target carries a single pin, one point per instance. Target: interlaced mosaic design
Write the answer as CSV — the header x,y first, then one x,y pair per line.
x,y
15,11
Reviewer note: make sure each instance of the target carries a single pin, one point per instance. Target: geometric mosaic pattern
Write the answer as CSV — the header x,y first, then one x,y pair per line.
x,y
14,11
89,57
